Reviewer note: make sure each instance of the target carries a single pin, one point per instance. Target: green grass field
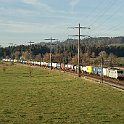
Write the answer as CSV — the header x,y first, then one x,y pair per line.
x,y
54,97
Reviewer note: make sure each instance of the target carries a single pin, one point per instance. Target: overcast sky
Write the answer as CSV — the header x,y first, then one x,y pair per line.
x,y
33,20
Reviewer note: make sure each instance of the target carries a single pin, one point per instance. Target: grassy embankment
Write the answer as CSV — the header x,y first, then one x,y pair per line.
x,y
56,98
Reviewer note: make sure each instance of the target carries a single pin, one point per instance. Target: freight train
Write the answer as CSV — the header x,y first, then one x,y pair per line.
x,y
107,72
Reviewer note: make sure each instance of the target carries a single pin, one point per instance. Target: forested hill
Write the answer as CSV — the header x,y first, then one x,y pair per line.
x,y
113,45
91,46
109,45
97,42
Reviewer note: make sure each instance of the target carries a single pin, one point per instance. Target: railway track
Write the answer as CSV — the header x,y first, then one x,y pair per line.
x,y
113,82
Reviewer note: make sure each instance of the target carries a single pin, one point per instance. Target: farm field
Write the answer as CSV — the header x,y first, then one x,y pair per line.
x,y
54,97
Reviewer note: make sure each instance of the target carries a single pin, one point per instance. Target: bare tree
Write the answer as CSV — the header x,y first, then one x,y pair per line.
x,y
25,55
112,59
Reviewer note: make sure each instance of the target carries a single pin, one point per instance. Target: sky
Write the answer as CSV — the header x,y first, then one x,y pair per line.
x,y
22,21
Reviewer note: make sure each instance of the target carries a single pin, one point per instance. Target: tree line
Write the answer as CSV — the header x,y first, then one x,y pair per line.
x,y
91,49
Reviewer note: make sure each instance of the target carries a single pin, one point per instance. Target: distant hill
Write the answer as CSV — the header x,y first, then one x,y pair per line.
x,y
113,45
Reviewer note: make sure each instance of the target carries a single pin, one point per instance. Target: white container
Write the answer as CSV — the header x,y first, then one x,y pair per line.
x,y
54,65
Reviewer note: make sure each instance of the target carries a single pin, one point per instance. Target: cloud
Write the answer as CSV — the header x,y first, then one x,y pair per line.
x,y
30,1
22,27
73,3
14,27
39,5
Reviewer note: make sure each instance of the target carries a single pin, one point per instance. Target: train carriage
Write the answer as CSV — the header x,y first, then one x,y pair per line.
x,y
117,74
120,74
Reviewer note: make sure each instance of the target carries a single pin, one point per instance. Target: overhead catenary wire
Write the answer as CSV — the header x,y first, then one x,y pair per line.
x,y
104,23
114,29
109,18
94,10
101,13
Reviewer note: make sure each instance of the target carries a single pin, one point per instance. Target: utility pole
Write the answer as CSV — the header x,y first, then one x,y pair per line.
x,y
30,48
51,39
41,55
102,70
11,46
79,35
1,51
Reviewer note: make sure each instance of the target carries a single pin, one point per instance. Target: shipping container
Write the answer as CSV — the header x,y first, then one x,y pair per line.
x,y
66,66
15,61
95,70
70,66
62,66
49,65
105,71
81,68
89,69
54,65
45,64
38,63
58,66
75,67
100,72
84,68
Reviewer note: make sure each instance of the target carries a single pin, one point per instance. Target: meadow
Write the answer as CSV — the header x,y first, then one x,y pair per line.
x,y
55,97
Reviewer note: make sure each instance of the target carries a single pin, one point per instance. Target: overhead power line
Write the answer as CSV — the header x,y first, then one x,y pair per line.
x,y
94,10
109,18
102,13
105,21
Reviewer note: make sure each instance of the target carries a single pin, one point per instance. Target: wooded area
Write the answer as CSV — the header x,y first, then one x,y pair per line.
x,y
92,49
